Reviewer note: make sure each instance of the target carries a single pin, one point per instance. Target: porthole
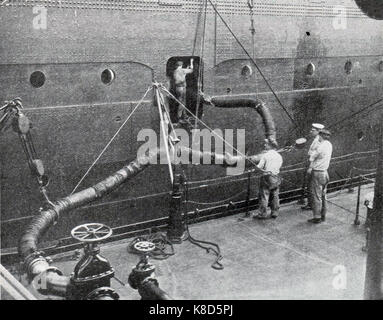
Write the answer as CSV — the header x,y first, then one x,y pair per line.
x,y
246,71
310,70
348,67
37,79
107,76
360,135
381,66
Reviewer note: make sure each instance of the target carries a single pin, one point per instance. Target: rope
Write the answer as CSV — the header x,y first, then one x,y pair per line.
x,y
255,64
355,153
218,202
110,141
217,265
199,85
363,169
356,113
345,209
172,129
196,29
165,132
161,243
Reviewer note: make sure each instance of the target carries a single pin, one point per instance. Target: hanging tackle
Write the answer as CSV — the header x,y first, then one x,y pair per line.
x,y
13,116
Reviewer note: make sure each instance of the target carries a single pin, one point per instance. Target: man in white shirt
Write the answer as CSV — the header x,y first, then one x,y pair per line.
x,y
319,163
270,163
314,133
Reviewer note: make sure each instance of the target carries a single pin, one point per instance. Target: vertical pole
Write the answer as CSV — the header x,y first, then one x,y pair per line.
x,y
357,221
248,194
215,38
175,226
373,289
164,133
301,200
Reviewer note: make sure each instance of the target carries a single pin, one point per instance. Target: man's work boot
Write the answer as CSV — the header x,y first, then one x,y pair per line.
x,y
315,220
323,218
274,215
260,217
245,216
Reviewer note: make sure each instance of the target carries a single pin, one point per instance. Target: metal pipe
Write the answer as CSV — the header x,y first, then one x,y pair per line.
x,y
11,290
149,290
357,220
57,284
13,286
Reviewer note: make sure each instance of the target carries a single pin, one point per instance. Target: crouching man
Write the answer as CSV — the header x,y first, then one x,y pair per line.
x,y
270,163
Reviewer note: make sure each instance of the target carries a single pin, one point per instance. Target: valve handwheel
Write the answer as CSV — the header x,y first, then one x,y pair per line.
x,y
144,246
91,232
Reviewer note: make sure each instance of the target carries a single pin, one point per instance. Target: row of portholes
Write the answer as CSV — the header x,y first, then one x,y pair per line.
x,y
37,78
247,71
348,66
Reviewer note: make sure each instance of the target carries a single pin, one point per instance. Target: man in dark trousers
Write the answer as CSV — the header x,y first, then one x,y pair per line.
x,y
270,163
314,132
179,84
319,163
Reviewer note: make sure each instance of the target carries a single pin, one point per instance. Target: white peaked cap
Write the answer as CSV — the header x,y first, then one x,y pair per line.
x,y
318,126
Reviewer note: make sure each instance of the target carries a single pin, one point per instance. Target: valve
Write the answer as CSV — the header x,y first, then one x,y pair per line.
x,y
143,269
93,271
142,277
91,232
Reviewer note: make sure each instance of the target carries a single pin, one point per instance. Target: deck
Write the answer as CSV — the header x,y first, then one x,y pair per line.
x,y
286,258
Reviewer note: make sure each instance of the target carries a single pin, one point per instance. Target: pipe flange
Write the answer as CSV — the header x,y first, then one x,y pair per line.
x,y
35,263
151,279
33,256
102,292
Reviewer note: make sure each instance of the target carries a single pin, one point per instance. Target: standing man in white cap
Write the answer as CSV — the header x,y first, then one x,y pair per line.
x,y
319,162
314,133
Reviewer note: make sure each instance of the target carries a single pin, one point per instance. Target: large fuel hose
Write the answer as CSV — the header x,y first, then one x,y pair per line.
x,y
253,103
41,223
34,262
36,266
